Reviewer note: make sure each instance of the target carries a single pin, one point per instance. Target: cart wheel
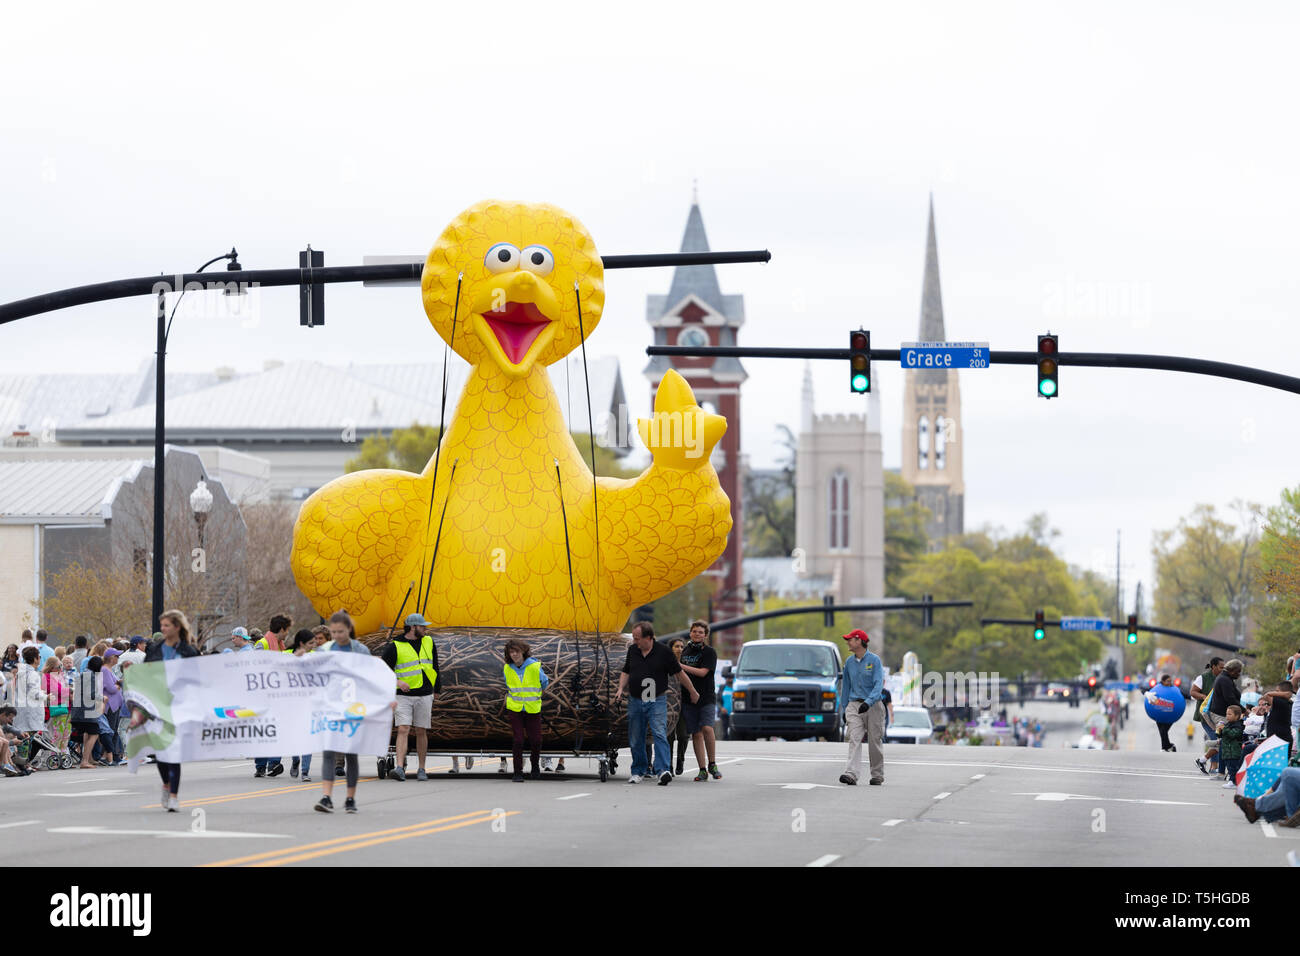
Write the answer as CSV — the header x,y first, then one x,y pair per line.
x,y
604,770
52,762
392,762
66,761
381,769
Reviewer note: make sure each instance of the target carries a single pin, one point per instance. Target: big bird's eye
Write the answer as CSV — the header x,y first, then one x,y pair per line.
x,y
502,257
538,259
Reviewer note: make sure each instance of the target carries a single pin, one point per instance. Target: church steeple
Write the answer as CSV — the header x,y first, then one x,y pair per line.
x,y
701,281
931,296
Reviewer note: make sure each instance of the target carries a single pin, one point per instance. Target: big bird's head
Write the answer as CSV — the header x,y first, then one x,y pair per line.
x,y
523,271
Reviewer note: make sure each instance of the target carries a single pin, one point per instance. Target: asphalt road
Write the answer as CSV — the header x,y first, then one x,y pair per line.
x,y
779,803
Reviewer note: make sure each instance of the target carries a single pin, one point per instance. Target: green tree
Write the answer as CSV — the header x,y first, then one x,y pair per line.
x,y
1007,578
905,538
769,505
1207,570
410,449
1279,620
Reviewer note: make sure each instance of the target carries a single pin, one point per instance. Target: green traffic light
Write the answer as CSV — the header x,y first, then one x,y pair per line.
x,y
1132,638
860,382
1047,387
1038,634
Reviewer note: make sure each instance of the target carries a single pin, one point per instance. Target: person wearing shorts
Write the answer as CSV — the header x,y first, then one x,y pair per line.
x,y
416,667
699,661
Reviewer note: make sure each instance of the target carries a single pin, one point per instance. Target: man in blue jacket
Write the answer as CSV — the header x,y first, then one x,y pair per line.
x,y
860,689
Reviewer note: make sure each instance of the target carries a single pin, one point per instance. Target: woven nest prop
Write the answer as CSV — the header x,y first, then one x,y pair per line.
x,y
469,712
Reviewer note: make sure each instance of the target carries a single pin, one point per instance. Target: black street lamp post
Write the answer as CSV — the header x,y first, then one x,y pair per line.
x,y
160,429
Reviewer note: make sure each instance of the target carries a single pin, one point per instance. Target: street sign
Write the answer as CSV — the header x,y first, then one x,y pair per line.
x,y
1085,624
944,355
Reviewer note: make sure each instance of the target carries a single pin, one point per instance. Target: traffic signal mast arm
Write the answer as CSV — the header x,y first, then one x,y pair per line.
x,y
1151,628
1168,363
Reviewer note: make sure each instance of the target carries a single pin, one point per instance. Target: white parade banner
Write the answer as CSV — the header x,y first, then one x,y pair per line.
x,y
259,704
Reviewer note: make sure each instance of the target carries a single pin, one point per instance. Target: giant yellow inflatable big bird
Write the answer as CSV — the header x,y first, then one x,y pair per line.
x,y
505,286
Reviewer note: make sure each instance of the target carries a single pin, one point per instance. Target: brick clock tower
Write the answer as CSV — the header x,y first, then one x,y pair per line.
x,y
695,312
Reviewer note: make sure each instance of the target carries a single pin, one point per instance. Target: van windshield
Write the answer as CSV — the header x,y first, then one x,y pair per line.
x,y
787,660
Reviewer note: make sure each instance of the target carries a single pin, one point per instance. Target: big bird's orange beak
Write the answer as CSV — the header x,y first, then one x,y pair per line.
x,y
514,317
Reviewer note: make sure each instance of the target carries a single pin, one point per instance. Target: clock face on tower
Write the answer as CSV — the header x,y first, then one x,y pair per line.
x,y
693,338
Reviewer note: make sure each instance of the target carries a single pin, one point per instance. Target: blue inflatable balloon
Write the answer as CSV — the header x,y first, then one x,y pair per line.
x,y
1164,704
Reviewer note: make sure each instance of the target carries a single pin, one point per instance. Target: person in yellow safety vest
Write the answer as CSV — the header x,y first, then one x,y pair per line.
x,y
413,658
525,681
273,640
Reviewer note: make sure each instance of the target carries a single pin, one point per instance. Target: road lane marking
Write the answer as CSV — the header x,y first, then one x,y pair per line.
x,y
978,776
220,834
802,786
252,794
1267,828
573,796
1060,797
344,839
891,823
89,793
826,860
489,818
943,796
1010,764
723,763
20,823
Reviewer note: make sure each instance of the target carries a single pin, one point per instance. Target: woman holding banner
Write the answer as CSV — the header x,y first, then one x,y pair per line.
x,y
174,644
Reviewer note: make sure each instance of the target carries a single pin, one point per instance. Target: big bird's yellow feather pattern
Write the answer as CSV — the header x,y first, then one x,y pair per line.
x,y
512,274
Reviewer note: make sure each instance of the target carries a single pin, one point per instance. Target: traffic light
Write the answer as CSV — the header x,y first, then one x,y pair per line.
x,y
311,295
927,613
828,616
1047,365
1132,628
1040,631
860,362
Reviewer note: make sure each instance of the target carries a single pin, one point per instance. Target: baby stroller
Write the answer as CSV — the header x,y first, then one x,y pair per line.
x,y
56,747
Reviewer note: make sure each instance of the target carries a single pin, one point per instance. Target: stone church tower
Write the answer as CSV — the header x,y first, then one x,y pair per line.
x,y
932,445
840,504
695,312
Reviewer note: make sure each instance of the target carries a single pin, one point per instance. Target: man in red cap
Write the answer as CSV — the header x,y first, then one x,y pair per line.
x,y
860,689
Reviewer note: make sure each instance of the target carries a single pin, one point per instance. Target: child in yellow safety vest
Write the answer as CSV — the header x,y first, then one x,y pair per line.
x,y
525,681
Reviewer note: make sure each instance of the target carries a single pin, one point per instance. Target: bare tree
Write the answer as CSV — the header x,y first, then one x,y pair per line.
x,y
271,587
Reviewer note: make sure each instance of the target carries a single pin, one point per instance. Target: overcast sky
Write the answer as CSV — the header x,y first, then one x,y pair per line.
x,y
1121,174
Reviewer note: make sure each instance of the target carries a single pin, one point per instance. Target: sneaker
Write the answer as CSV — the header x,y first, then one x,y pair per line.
x,y
325,805
634,779
546,764
879,782
1292,821
306,778
1200,765
702,776
454,769
276,770
665,778
715,772
559,767
421,775
339,772
11,771
293,768
259,772
848,778
397,773
1230,785
350,805
173,803
535,774
502,768
519,778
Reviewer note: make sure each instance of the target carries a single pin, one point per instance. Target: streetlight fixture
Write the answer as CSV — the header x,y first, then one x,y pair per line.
x,y
201,505
160,426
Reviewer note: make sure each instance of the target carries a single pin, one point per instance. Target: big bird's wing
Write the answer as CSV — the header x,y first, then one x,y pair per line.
x,y
350,539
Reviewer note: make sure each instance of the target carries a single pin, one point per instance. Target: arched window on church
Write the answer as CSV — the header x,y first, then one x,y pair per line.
x,y
923,443
940,442
838,512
